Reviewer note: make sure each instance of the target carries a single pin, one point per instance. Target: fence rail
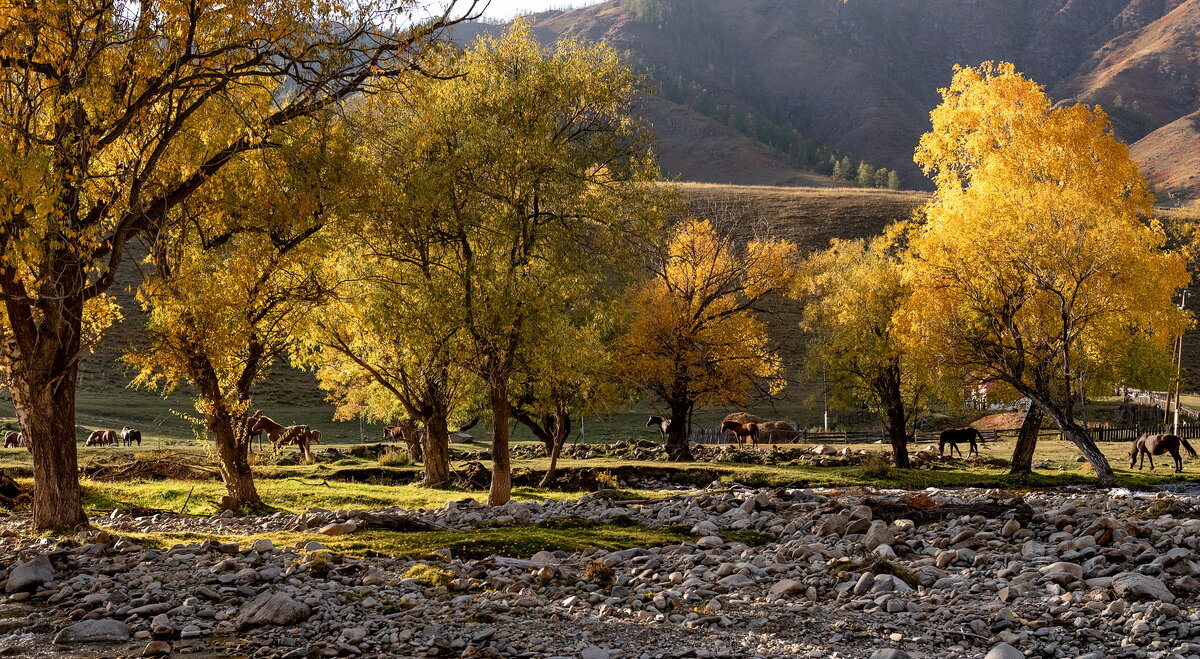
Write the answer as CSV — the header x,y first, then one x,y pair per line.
x,y
1099,434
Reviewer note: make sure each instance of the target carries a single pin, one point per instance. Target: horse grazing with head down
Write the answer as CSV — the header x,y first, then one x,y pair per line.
x,y
662,423
953,436
102,438
14,439
742,431
1152,445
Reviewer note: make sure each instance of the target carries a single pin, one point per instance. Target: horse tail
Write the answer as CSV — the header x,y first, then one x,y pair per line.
x,y
1191,451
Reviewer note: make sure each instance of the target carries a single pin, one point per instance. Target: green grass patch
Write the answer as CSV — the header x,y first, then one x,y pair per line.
x,y
511,541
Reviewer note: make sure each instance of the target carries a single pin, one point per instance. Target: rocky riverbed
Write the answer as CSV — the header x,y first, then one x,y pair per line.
x,y
850,574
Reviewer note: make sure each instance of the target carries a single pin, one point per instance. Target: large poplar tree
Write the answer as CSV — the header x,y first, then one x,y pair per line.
x,y
1039,264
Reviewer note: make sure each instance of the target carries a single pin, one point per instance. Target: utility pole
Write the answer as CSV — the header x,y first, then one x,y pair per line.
x,y
825,395
1179,366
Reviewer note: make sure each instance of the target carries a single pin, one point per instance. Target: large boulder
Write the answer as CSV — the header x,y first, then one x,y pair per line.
x,y
889,653
788,587
272,609
94,631
1132,586
1063,572
30,575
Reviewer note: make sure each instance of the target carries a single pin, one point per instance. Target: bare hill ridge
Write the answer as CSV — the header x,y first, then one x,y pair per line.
x,y
859,77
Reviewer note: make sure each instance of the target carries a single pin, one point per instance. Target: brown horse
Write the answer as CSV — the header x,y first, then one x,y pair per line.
x,y
742,431
1152,445
102,438
953,436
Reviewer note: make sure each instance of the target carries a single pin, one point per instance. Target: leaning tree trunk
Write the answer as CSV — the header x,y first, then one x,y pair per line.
x,y
436,449
43,385
1022,458
677,435
501,488
562,430
233,460
1079,436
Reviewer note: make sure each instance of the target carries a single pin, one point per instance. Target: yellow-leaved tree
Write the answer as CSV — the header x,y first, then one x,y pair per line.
x,y
1038,264
695,339
234,275
852,293
506,198
114,113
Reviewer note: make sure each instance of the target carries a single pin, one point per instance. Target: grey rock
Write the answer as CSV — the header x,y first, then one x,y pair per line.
x,y
1132,586
30,575
272,609
878,534
890,653
94,631
1004,651
593,652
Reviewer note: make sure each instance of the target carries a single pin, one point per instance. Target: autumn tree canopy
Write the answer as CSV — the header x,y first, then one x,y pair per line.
x,y
695,339
1038,264
852,293
509,197
113,115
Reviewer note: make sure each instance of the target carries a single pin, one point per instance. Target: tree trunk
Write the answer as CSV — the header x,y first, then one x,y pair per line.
x,y
501,489
42,383
1022,458
897,426
436,446
1079,436
562,430
677,435
45,409
233,460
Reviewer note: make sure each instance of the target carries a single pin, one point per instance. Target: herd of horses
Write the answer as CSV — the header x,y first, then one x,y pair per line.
x,y
254,427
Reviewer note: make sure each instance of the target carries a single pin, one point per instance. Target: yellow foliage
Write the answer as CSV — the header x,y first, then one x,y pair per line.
x,y
694,337
1038,263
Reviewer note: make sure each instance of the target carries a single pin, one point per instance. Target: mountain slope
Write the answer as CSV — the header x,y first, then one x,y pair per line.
x,y
859,77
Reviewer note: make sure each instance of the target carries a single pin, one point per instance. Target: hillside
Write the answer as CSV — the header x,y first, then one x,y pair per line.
x,y
819,78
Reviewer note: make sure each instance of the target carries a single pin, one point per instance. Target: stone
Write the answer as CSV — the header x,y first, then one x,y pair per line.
x,y
833,524
262,545
878,534
824,449
544,558
787,587
1063,572
1004,651
156,649
30,575
1132,586
94,631
375,577
338,528
1010,528
889,653
736,581
593,652
272,609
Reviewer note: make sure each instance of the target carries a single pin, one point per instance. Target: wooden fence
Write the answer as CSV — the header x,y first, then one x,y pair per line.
x,y
1098,433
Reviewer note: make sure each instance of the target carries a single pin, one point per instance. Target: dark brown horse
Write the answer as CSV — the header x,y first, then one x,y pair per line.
x,y
742,431
953,436
661,423
14,439
1152,445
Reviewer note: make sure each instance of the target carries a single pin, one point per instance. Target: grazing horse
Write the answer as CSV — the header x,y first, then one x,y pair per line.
x,y
300,436
1152,445
406,432
102,438
130,436
953,436
14,439
741,431
663,425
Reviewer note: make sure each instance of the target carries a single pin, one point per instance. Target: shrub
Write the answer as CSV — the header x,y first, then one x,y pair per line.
x,y
600,573
876,465
394,457
430,575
